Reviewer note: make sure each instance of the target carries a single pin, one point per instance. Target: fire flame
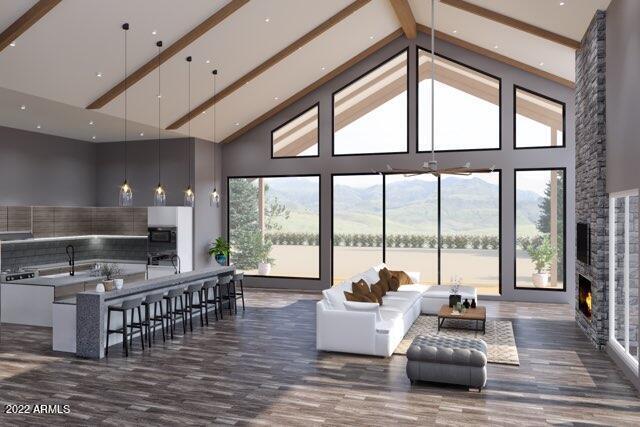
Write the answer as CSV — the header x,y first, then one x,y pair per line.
x,y
588,301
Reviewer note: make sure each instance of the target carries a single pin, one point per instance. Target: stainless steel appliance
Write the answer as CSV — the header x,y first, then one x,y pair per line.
x,y
166,235
7,276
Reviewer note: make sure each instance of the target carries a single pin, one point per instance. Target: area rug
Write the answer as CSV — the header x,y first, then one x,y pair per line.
x,y
501,344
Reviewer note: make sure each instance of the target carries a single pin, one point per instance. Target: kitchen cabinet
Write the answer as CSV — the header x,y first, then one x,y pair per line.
x,y
18,218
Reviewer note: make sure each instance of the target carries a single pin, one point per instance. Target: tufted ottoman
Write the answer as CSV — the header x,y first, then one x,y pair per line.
x,y
461,361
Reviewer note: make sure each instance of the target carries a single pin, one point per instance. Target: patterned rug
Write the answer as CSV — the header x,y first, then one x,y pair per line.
x,y
501,344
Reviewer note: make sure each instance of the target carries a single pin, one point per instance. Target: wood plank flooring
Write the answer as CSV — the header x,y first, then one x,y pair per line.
x,y
261,367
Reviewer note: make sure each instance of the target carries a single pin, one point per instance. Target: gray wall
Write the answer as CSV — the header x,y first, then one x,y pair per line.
x,y
623,91
39,169
250,155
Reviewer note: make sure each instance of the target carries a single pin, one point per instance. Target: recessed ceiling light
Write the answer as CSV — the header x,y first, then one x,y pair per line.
x,y
99,74
237,124
323,68
38,127
495,46
23,107
267,20
455,31
276,98
93,137
204,112
91,123
159,96
12,44
541,64
154,32
371,37
561,3
141,133
208,61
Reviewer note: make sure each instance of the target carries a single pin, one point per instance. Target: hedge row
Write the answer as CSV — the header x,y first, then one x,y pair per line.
x,y
457,241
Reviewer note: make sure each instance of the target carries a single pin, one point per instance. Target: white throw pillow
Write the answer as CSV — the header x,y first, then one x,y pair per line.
x,y
370,307
371,276
335,297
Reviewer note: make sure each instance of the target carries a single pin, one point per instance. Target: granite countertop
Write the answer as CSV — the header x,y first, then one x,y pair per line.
x,y
80,277
85,262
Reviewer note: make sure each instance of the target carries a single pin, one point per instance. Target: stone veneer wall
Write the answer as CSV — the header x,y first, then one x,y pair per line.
x,y
591,193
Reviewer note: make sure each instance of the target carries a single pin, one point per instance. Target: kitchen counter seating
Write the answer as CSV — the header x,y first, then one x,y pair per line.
x,y
372,329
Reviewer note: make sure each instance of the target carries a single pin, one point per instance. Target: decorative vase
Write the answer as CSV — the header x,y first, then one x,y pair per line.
x,y
541,280
100,287
459,307
119,283
466,303
221,259
453,299
473,303
264,268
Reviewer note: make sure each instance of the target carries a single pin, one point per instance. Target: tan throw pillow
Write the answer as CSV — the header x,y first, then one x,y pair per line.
x,y
357,298
361,288
377,290
385,276
394,284
403,278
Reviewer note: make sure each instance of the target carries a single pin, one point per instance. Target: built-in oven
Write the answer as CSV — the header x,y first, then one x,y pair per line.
x,y
162,235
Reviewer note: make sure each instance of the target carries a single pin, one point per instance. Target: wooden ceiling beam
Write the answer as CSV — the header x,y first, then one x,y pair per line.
x,y
317,31
498,57
315,85
169,52
26,21
405,17
512,22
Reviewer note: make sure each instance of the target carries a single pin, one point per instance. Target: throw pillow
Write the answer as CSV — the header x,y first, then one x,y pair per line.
x,y
403,278
385,276
361,288
357,298
377,290
394,284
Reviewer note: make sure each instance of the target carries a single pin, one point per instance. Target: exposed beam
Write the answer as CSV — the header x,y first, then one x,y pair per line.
x,y
169,52
320,29
405,17
496,56
26,21
336,72
512,22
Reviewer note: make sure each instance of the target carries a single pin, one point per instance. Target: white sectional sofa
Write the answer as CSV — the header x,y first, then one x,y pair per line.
x,y
367,328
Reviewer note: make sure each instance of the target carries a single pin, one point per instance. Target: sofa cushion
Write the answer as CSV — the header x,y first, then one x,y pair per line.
x,y
401,305
335,297
416,287
443,291
406,295
390,320
365,307
370,276
362,289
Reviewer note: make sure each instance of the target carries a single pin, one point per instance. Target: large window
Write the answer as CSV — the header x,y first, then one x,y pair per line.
x,y
298,137
395,218
467,106
357,224
370,115
470,231
411,208
539,120
540,229
274,225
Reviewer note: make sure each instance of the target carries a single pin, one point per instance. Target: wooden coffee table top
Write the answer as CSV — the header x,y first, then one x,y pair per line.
x,y
478,313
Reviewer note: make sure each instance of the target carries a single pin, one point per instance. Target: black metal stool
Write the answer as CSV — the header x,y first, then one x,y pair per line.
x,y
238,278
172,298
151,322
225,281
125,306
207,287
194,289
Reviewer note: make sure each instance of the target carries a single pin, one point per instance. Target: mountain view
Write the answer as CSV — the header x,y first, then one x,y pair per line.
x,y
469,206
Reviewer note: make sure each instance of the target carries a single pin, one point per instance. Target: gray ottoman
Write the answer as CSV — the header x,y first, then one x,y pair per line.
x,y
461,361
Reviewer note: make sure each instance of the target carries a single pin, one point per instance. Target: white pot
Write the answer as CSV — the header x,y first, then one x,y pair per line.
x,y
99,287
264,268
541,280
119,283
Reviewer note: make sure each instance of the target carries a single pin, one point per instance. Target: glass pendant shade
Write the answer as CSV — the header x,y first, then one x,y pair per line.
x,y
159,196
189,197
214,198
125,197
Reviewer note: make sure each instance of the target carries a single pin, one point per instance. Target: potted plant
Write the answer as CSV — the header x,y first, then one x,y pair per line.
x,y
264,265
541,253
109,271
454,297
220,250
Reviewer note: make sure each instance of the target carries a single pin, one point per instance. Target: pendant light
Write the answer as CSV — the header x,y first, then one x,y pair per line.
x,y
214,197
159,195
189,195
125,197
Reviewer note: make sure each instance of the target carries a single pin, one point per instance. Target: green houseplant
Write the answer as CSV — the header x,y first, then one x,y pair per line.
x,y
220,250
109,271
541,253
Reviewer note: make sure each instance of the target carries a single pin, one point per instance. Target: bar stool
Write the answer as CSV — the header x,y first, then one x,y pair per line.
x,y
225,281
211,285
151,322
172,298
126,305
237,278
194,288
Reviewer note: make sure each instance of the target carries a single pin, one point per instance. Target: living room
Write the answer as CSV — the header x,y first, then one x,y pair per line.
x,y
408,211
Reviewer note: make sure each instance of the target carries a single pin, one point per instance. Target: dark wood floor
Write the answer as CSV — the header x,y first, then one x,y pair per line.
x,y
262,367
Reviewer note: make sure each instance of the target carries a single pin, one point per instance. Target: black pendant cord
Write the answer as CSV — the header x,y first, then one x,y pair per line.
x,y
213,140
189,124
125,27
159,44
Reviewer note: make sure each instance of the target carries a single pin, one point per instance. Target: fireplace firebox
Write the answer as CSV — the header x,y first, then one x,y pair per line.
x,y
584,296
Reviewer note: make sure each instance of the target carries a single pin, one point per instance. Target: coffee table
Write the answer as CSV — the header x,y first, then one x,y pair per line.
x,y
478,314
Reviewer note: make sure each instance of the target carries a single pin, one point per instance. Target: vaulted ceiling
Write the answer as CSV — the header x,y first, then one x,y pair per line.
x,y
69,55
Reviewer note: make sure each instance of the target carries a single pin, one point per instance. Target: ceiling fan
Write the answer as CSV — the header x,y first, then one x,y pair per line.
x,y
431,166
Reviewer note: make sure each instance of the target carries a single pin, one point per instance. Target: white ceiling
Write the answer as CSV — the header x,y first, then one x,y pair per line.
x,y
52,69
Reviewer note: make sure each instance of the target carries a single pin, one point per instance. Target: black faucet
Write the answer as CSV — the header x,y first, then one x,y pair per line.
x,y
174,257
72,259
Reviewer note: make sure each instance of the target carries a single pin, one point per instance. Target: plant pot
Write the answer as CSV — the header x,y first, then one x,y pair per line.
x,y
541,280
264,268
119,283
221,259
109,285
453,299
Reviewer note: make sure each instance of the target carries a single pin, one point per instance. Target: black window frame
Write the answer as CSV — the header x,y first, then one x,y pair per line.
x,y
564,228
405,51
306,110
417,106
314,175
548,98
